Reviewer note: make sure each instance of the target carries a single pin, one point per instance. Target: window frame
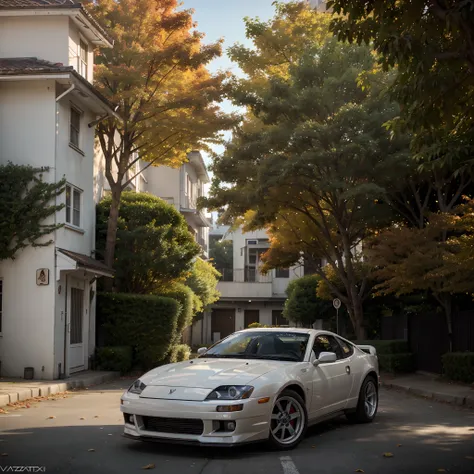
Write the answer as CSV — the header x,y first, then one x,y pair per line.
x,y
286,273
74,191
83,66
80,113
339,353
350,346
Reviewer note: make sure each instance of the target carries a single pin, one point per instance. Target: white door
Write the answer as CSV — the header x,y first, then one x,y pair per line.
x,y
76,329
332,382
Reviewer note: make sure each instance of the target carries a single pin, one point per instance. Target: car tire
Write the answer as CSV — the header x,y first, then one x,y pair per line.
x,y
367,404
284,421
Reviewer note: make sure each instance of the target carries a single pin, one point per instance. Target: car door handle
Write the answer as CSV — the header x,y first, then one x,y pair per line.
x,y
348,370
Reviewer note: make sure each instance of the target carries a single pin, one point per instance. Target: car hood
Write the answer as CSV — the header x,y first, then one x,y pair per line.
x,y
194,380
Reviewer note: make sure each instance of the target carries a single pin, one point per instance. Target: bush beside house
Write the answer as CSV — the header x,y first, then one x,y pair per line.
x,y
459,366
145,323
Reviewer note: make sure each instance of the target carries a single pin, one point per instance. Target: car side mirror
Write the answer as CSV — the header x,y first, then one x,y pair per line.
x,y
202,350
325,358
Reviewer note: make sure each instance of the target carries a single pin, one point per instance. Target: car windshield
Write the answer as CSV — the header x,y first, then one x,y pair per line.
x,y
285,346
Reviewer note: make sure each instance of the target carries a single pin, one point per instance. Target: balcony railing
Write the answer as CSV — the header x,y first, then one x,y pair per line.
x,y
244,275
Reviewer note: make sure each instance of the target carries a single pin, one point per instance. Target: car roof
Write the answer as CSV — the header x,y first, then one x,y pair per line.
x,y
284,329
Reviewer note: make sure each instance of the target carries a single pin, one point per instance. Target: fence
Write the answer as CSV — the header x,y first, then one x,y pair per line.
x,y
427,336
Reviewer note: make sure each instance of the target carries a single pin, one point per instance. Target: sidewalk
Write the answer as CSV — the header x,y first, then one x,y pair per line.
x,y
15,390
429,387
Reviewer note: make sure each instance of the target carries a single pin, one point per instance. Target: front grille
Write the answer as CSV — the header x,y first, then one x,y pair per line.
x,y
173,425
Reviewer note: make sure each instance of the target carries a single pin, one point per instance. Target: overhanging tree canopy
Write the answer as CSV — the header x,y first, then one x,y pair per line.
x,y
319,158
156,74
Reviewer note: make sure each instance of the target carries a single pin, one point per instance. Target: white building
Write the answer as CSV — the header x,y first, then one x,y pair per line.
x,y
247,296
47,109
319,5
182,187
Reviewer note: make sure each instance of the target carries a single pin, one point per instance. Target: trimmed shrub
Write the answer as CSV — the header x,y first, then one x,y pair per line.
x,y
185,297
146,323
397,363
117,359
459,366
397,346
180,352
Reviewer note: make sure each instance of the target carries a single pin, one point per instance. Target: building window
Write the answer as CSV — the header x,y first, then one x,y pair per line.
x,y
75,127
73,205
1,304
83,59
282,273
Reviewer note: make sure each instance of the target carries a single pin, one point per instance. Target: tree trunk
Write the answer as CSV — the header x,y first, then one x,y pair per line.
x,y
356,314
448,311
112,225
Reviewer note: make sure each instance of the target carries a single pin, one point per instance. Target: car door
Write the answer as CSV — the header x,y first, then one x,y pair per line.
x,y
352,367
331,381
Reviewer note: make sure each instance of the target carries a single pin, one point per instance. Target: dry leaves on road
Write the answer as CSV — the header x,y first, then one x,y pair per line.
x,y
149,466
399,445
3,412
91,450
359,470
4,454
51,418
387,455
470,457
82,418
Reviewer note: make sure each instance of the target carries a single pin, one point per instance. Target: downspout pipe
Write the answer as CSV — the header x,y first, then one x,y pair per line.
x,y
61,96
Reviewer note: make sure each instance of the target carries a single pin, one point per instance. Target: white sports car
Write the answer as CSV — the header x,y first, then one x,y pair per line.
x,y
255,385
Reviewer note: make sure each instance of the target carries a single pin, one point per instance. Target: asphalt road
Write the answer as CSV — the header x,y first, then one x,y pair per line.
x,y
423,436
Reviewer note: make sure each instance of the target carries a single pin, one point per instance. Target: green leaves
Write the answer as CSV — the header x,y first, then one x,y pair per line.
x,y
27,205
154,246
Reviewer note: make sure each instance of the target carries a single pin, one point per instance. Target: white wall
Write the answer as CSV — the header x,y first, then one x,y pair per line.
x,y
74,50
43,37
164,182
78,170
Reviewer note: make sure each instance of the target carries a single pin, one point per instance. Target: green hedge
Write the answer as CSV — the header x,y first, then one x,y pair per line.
x,y
180,352
146,323
397,363
185,297
459,366
117,359
397,346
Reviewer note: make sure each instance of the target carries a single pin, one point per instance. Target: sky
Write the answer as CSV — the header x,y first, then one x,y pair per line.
x,y
224,19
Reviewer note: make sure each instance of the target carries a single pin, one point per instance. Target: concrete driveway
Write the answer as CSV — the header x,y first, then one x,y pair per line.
x,y
85,437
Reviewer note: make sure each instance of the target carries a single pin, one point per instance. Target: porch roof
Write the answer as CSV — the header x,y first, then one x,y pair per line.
x,y
88,263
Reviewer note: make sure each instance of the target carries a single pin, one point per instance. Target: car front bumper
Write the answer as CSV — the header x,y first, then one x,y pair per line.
x,y
251,423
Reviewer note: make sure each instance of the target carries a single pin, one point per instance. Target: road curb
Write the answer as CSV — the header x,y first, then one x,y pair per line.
x,y
432,395
19,394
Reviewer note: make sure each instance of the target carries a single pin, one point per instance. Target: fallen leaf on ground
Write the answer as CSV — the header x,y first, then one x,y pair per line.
x,y
82,418
3,411
4,454
398,445
470,457
51,417
149,466
359,470
110,434
91,450
387,455
441,470
96,416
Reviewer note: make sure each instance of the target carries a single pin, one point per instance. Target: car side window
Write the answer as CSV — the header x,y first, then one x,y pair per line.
x,y
327,343
347,349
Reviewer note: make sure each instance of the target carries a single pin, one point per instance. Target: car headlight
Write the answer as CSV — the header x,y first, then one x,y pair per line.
x,y
137,387
231,392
